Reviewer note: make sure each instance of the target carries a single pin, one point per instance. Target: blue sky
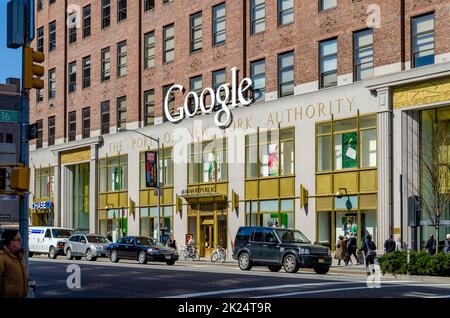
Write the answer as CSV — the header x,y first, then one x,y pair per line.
x,y
10,59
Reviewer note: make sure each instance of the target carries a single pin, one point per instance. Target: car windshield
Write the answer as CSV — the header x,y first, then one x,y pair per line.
x,y
97,239
148,241
61,233
291,236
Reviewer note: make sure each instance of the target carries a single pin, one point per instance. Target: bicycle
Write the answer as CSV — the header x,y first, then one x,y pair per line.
x,y
219,255
190,253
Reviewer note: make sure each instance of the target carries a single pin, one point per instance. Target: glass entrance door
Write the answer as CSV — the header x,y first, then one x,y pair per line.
x,y
80,196
207,237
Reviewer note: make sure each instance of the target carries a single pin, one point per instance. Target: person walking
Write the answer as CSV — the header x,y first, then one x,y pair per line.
x,y
389,244
352,246
369,249
431,245
341,249
171,242
13,274
447,244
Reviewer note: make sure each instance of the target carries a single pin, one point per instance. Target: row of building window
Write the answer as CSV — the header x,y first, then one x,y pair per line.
x,y
422,54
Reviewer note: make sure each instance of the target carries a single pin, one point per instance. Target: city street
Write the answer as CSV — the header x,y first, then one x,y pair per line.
x,y
127,279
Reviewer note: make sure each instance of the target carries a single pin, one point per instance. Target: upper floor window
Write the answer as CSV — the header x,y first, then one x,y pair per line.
x,y
40,4
363,55
258,75
122,112
286,74
40,39
73,27
423,40
347,142
169,43
285,12
196,32
86,71
52,83
86,116
258,16
219,24
328,63
104,108
86,21
167,1
219,78
121,10
327,4
52,1
149,5
51,130
40,130
39,95
122,58
106,64
165,168
207,162
106,13
72,125
273,150
149,51
51,36
195,85
149,108
72,77
44,183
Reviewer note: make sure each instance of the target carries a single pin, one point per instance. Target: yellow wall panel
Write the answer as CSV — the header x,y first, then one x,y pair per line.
x,y
123,199
348,180
251,190
143,198
324,204
168,196
222,188
268,188
113,199
74,156
287,187
368,201
428,92
323,184
153,198
368,181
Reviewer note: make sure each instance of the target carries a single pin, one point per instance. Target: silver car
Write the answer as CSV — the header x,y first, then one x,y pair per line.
x,y
90,246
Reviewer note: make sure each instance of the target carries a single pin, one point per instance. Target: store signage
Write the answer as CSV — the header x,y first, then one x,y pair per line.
x,y
151,176
198,190
223,96
42,205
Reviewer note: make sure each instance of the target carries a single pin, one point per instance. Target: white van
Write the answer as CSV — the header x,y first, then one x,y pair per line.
x,y
48,240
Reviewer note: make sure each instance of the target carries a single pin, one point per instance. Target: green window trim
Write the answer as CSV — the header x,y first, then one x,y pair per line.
x,y
216,164
120,170
167,169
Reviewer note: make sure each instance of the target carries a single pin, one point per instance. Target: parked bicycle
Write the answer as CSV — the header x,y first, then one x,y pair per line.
x,y
219,255
190,252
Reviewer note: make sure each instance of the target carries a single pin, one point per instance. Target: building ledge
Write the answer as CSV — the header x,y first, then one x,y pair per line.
x,y
98,140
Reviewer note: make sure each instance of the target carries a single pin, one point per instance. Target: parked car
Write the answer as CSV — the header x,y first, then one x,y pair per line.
x,y
277,248
48,240
142,249
90,246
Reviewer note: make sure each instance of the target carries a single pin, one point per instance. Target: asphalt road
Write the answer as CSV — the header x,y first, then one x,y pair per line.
x,y
128,279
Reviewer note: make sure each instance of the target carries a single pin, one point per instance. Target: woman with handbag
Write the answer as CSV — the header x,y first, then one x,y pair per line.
x,y
369,249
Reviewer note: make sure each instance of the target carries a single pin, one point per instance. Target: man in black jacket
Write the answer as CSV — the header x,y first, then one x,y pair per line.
x,y
389,244
431,245
352,246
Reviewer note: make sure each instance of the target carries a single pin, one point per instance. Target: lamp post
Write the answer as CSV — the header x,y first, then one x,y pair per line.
x,y
158,185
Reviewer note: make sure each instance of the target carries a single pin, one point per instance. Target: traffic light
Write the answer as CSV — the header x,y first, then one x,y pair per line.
x,y
20,179
178,204
31,69
234,200
303,196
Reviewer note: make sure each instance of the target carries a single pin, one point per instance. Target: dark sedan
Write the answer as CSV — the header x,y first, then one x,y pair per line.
x,y
142,249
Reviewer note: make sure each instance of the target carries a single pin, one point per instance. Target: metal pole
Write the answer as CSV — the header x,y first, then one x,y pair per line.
x,y
159,190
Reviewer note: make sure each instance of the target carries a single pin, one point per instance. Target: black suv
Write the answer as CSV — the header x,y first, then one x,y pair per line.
x,y
279,247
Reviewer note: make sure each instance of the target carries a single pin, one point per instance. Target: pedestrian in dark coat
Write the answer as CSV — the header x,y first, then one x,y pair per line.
x,y
369,249
341,249
13,274
389,244
352,247
431,245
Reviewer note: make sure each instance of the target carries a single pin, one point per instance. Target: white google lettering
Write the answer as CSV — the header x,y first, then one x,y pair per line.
x,y
223,96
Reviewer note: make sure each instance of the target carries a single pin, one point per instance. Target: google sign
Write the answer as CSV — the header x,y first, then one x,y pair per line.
x,y
224,96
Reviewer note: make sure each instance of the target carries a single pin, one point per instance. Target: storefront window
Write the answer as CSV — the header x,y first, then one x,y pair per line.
x,y
345,144
113,174
80,196
44,183
324,227
208,162
115,224
276,213
269,149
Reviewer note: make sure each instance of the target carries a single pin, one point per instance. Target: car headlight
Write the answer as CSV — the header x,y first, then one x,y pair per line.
x,y
98,247
304,251
153,251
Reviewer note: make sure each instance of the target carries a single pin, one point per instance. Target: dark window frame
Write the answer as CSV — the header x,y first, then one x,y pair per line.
x,y
121,11
321,74
194,29
51,130
285,12
148,5
121,112
87,12
257,75
40,131
149,116
86,72
166,40
105,113
215,22
121,67
52,36
72,28
72,125
51,83
40,39
356,52
285,69
105,61
106,14
253,21
148,48
414,36
72,80
86,122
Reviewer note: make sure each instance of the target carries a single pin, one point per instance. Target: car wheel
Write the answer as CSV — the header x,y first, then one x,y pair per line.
x,y
114,257
244,262
274,268
290,264
171,262
321,269
90,256
52,253
142,258
69,255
